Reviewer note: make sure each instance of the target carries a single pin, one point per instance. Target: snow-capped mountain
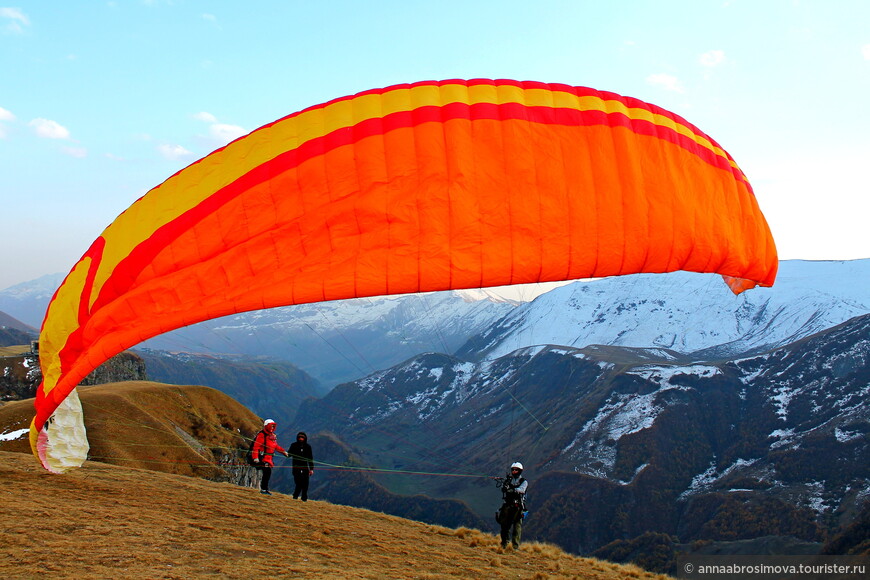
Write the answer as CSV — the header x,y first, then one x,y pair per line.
x,y
768,445
27,301
693,314
690,315
343,340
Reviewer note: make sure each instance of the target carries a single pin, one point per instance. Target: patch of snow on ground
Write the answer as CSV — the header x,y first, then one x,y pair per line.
x,y
702,480
748,379
14,435
464,373
815,500
436,373
463,368
846,436
634,475
781,397
620,416
380,415
559,351
711,475
782,436
605,459
664,374
634,414
369,383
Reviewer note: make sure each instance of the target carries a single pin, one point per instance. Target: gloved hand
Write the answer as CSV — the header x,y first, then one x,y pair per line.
x,y
256,460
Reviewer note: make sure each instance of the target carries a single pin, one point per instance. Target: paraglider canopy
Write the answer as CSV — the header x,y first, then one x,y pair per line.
x,y
429,186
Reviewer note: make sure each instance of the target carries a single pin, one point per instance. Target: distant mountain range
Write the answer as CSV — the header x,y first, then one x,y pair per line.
x,y
693,316
270,388
619,442
343,340
27,301
650,404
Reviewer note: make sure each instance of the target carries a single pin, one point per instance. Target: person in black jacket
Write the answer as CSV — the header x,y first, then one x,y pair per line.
x,y
510,515
303,465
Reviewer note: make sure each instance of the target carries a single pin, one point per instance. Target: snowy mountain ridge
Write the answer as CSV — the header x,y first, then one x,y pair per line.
x,y
768,445
685,312
683,315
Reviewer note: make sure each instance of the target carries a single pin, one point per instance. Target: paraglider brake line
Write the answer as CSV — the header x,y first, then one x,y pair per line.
x,y
532,415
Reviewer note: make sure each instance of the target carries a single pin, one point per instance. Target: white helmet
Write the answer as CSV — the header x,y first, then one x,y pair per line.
x,y
517,464
267,422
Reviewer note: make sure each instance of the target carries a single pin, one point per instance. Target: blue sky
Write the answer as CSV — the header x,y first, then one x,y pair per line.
x,y
101,101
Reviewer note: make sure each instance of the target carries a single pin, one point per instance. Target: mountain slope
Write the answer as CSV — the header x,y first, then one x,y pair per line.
x,y
14,332
187,430
637,440
272,388
28,301
345,339
10,322
107,521
685,312
199,431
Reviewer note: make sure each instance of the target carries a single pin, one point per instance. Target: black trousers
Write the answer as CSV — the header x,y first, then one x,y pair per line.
x,y
301,477
267,475
510,517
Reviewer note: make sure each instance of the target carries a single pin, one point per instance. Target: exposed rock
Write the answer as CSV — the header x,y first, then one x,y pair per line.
x,y
20,375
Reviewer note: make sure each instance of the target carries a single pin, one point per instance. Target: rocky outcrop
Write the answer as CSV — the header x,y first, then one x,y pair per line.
x,y
126,366
238,472
19,377
20,374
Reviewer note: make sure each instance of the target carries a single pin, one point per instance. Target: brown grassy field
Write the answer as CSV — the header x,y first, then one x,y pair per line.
x,y
150,425
151,515
105,521
13,350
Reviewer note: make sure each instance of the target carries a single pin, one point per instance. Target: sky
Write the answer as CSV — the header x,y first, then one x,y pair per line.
x,y
100,101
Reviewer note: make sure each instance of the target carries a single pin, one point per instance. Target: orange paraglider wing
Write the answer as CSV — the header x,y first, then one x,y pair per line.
x,y
412,188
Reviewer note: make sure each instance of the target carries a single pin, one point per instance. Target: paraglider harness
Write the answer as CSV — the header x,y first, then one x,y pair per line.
x,y
510,496
249,456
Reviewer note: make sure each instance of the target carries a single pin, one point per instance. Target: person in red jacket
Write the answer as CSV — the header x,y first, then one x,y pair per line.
x,y
265,446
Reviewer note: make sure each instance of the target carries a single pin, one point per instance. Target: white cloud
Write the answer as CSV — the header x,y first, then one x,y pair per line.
x,y
226,133
5,116
14,20
219,134
174,152
865,50
49,129
78,152
666,81
712,58
206,117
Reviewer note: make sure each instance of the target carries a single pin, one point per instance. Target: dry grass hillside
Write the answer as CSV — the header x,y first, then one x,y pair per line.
x,y
105,521
152,515
184,430
13,350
